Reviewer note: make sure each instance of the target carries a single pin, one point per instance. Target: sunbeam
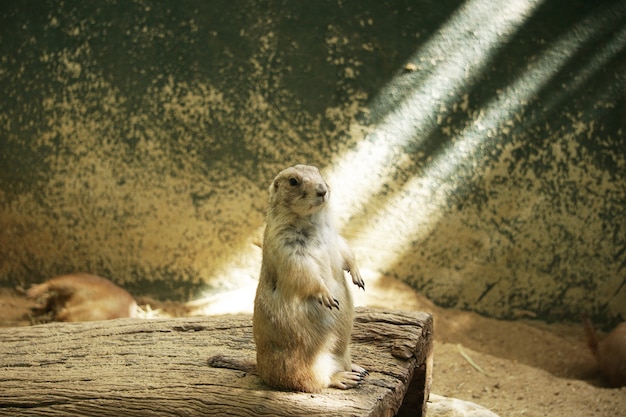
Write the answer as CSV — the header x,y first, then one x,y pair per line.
x,y
478,26
412,212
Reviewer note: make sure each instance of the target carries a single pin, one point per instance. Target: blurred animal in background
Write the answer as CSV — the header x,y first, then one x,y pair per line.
x,y
610,352
82,297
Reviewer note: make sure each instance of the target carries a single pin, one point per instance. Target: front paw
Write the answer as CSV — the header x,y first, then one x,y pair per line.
x,y
357,279
327,300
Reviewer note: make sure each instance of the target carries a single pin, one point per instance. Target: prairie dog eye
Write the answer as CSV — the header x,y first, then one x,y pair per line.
x,y
293,182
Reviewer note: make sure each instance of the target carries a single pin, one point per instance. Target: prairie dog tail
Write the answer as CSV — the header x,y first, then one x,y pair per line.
x,y
590,335
221,361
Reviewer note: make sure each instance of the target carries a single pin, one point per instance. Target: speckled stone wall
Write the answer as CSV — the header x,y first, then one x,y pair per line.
x,y
475,148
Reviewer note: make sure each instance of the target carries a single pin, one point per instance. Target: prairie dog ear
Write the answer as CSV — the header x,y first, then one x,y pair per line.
x,y
275,184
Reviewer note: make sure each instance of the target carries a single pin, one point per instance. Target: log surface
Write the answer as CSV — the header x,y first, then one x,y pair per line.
x,y
159,367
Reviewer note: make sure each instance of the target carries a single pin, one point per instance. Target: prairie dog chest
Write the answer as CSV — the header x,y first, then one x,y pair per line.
x,y
312,242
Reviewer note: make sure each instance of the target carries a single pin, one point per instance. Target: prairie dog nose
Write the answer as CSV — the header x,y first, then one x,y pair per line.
x,y
320,190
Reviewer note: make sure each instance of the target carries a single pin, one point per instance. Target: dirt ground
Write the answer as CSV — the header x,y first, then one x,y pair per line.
x,y
514,368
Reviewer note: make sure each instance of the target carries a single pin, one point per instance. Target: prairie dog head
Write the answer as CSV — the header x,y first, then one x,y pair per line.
x,y
300,189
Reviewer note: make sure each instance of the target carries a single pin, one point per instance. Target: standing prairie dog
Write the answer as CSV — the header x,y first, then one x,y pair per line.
x,y
303,310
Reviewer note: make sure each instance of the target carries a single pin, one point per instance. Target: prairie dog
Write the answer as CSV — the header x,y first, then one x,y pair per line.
x,y
84,297
609,352
303,309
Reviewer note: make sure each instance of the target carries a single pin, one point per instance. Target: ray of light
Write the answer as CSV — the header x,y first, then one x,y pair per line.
x,y
479,26
415,209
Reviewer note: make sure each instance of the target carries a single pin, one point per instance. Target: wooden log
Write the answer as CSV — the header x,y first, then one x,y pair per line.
x,y
135,367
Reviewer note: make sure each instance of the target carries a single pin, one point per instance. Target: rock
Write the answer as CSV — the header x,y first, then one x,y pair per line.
x,y
439,406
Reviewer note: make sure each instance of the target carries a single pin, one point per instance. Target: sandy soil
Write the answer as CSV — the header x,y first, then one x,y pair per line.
x,y
514,368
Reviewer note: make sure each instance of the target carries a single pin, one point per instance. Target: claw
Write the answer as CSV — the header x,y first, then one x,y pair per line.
x,y
347,379
357,279
328,301
359,370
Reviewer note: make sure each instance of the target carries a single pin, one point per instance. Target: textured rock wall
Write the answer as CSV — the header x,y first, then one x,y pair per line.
x,y
475,149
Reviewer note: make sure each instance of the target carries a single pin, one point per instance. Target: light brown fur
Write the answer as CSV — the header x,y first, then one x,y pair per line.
x,y
84,297
303,310
610,352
